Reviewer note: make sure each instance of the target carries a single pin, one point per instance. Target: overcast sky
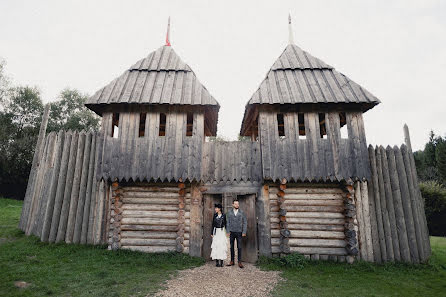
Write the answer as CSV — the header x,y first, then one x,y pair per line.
x,y
395,49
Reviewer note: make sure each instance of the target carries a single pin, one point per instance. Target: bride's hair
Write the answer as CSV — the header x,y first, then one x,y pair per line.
x,y
218,205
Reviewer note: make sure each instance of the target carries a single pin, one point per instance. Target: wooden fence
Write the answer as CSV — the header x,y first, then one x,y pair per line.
x,y
64,201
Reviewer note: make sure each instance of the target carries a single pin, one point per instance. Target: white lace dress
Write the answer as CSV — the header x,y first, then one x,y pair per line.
x,y
219,245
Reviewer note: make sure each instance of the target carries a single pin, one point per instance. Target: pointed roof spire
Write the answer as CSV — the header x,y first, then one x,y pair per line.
x,y
290,30
168,33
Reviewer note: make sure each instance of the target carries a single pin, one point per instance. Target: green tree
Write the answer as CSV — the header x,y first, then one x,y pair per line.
x,y
69,112
440,154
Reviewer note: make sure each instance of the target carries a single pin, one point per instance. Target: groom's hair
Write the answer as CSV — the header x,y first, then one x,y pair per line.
x,y
235,200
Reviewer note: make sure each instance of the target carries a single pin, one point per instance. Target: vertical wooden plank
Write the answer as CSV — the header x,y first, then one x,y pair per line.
x,y
359,215
366,219
58,200
196,221
407,206
90,180
390,204
82,189
48,216
389,253
399,213
313,135
36,159
67,191
413,201
373,196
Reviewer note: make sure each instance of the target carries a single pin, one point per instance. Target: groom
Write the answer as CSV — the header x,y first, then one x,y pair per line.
x,y
236,227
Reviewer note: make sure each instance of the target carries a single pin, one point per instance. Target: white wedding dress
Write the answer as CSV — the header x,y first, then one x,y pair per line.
x,y
219,244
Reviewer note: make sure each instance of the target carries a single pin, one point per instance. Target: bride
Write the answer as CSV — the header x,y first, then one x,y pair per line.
x,y
219,243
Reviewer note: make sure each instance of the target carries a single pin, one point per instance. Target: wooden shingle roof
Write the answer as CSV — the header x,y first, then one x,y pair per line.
x,y
160,78
298,77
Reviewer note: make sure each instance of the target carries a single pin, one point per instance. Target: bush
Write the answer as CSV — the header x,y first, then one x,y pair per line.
x,y
434,195
293,260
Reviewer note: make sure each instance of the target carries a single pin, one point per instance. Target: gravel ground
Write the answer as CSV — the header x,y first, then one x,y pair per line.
x,y
208,280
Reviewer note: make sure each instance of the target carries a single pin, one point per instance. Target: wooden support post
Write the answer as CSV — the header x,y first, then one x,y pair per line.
x,y
366,218
363,252
349,227
38,152
196,222
264,222
88,194
181,218
284,232
116,216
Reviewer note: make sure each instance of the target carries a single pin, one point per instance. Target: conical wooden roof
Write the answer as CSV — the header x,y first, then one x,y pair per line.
x,y
298,77
160,78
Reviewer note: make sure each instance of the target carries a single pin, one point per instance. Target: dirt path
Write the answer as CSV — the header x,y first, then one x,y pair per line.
x,y
208,280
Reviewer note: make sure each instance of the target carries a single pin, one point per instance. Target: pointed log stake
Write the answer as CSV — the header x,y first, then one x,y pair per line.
x,y
36,158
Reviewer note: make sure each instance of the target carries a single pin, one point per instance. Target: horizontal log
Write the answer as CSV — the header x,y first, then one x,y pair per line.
x,y
148,241
314,196
317,234
149,214
319,250
157,201
313,191
275,233
149,221
186,243
325,202
149,228
150,249
275,241
275,249
317,242
322,221
149,207
331,215
275,225
315,208
150,194
151,189
148,234
274,219
315,227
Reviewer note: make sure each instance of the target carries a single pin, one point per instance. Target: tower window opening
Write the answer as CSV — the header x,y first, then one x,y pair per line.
x,y
162,128
343,125
115,125
322,126
189,124
142,124
301,120
281,125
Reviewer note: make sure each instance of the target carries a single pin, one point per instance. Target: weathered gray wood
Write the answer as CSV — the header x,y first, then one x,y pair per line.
x,y
359,215
61,182
48,216
399,213
82,188
413,201
196,218
88,194
373,196
390,204
407,206
263,221
75,188
34,166
389,253
366,219
64,212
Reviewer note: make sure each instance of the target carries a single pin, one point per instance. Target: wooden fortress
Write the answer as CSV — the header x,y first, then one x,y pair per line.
x,y
148,180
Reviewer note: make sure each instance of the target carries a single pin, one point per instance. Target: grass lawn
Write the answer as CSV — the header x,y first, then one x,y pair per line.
x,y
364,279
77,270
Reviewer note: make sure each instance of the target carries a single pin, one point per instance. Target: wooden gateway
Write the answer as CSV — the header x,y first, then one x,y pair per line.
x,y
149,179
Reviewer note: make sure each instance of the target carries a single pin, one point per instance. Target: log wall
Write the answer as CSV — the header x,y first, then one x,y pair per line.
x,y
394,227
64,201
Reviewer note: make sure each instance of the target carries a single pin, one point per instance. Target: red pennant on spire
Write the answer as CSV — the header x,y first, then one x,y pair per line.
x,y
168,33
